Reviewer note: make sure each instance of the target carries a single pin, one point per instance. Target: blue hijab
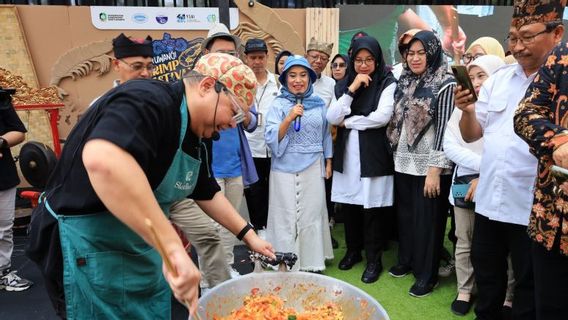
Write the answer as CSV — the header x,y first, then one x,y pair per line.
x,y
310,100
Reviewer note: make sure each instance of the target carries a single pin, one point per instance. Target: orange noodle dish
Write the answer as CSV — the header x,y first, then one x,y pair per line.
x,y
270,306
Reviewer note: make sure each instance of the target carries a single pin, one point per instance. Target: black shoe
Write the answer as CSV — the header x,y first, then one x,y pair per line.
x,y
399,270
334,243
506,312
421,288
372,272
350,259
460,307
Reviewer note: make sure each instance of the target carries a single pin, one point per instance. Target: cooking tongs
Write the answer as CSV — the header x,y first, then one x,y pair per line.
x,y
284,260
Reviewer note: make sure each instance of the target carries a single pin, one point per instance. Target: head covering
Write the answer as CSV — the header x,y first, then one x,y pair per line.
x,y
297,60
357,35
310,100
124,47
219,30
345,58
365,101
315,45
255,45
409,33
537,11
489,45
416,97
231,72
280,55
488,63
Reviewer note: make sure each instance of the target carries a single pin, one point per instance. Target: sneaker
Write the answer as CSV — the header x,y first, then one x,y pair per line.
x,y
234,273
399,270
261,233
448,269
10,281
421,289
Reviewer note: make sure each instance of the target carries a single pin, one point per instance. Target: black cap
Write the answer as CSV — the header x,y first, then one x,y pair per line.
x,y
253,45
123,47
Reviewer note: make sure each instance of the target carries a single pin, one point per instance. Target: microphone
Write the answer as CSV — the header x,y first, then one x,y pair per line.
x,y
298,120
215,136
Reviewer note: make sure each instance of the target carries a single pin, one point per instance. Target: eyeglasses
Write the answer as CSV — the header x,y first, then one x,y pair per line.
x,y
525,40
467,58
316,57
367,61
237,108
139,66
337,65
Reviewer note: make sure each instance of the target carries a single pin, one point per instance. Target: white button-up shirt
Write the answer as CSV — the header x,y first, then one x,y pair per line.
x,y
265,94
324,87
508,171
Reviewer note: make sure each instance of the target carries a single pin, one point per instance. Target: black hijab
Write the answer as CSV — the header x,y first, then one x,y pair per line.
x,y
374,155
340,84
365,100
280,55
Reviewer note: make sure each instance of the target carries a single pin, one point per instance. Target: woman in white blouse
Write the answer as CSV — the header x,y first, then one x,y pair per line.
x,y
362,164
467,157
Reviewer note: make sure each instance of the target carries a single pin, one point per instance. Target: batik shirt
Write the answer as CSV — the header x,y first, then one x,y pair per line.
x,y
542,121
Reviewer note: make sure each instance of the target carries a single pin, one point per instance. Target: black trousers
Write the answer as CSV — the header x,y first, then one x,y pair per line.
x,y
363,230
329,203
550,281
492,242
256,194
421,224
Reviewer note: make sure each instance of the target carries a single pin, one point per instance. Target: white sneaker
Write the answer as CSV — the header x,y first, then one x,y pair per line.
x,y
261,233
10,281
448,269
234,273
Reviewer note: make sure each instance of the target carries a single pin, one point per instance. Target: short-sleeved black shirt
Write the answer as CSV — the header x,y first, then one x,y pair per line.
x,y
9,121
142,117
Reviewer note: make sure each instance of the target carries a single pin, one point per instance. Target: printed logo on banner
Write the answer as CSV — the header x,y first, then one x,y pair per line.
x,y
172,55
161,19
103,16
139,18
186,18
212,18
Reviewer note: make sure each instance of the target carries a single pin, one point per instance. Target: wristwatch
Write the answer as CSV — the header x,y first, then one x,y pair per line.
x,y
349,93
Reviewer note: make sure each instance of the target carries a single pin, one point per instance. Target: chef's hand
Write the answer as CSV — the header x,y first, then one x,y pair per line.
x,y
185,285
256,244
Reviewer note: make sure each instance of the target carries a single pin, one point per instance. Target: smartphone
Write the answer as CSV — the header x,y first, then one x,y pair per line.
x,y
559,173
463,80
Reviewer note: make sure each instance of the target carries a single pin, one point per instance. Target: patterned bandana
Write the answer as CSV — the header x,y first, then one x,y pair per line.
x,y
320,46
535,11
231,72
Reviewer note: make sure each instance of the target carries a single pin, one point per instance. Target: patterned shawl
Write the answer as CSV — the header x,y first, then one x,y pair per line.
x,y
416,97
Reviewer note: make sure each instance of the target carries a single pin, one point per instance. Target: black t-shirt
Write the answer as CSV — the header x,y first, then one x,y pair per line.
x,y
140,116
9,121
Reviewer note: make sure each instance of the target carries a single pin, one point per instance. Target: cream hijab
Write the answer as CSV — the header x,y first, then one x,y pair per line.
x,y
489,45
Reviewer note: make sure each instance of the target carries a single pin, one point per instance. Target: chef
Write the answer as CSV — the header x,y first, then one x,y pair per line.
x,y
137,150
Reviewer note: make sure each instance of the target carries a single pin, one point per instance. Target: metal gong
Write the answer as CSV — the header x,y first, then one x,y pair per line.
x,y
37,161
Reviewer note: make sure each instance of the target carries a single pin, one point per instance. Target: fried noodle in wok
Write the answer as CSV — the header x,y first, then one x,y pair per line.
x,y
269,306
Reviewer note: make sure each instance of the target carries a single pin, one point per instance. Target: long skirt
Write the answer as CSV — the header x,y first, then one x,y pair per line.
x,y
297,217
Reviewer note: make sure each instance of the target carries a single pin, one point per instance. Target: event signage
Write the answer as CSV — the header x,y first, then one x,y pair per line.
x,y
158,18
173,55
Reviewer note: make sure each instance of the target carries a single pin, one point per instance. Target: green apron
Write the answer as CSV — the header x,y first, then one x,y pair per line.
x,y
109,272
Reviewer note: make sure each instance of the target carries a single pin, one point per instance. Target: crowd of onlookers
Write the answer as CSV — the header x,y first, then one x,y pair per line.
x,y
392,152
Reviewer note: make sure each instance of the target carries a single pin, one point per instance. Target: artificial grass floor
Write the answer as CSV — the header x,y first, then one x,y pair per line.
x,y
392,293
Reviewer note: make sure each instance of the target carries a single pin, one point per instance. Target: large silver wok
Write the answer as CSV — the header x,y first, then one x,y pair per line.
x,y
295,288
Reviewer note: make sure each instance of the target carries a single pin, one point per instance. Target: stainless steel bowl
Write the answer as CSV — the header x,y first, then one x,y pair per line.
x,y
296,288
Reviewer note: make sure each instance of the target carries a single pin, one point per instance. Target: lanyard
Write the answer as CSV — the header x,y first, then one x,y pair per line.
x,y
261,95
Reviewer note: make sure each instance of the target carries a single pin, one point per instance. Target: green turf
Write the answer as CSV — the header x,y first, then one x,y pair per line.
x,y
392,293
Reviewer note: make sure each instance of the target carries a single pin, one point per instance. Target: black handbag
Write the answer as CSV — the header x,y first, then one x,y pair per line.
x,y
459,190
